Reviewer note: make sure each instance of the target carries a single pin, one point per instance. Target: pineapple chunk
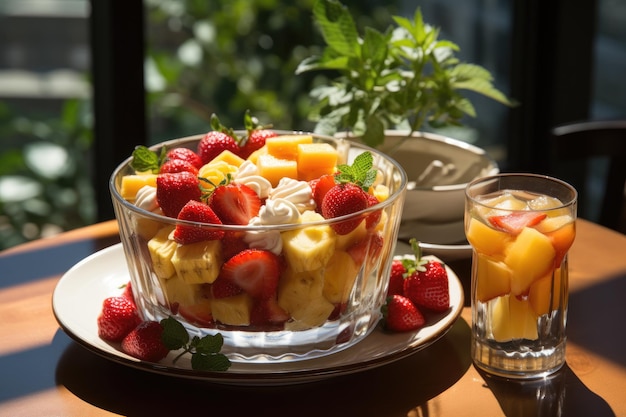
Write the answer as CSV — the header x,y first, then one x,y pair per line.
x,y
315,160
234,311
486,240
228,157
133,183
530,257
199,262
348,240
545,290
161,250
314,315
178,291
381,192
296,290
273,169
309,247
339,277
493,279
512,318
286,146
215,172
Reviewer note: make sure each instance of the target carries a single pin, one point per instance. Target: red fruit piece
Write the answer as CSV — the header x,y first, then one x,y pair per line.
x,y
197,314
515,222
374,218
185,154
367,248
428,288
144,342
235,203
341,200
320,187
400,315
117,318
201,213
232,244
396,278
214,143
255,141
267,312
128,292
175,190
177,165
222,288
256,271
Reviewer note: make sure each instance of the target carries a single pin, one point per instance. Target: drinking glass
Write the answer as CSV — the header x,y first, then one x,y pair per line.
x,y
521,227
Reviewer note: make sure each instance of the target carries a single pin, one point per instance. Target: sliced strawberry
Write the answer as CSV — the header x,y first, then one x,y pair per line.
x,y
256,271
223,288
214,143
185,154
396,278
117,318
144,342
197,314
400,315
177,165
267,312
201,213
235,203
427,287
232,244
320,187
516,222
341,200
175,190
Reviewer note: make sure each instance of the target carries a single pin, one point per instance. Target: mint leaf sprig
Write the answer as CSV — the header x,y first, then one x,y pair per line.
x,y
145,160
361,172
205,351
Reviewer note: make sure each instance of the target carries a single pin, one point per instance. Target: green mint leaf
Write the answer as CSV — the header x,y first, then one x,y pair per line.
x,y
210,344
145,160
361,165
174,335
337,27
213,362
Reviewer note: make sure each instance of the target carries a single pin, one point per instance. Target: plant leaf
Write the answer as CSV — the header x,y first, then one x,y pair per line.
x,y
337,27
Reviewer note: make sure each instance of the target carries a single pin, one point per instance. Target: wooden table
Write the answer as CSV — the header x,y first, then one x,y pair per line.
x,y
45,373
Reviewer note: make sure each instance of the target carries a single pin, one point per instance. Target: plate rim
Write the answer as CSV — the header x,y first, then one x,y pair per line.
x,y
263,376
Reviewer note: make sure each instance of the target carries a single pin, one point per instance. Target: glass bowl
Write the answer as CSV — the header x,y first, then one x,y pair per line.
x,y
331,286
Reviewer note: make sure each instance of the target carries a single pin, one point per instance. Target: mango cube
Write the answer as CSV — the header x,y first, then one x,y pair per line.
x,y
228,157
485,239
494,278
546,293
530,257
132,183
286,146
315,160
273,169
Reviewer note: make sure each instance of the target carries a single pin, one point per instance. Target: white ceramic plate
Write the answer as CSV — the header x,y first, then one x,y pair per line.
x,y
78,296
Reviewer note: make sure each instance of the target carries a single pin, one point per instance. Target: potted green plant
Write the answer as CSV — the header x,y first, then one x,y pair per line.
x,y
389,85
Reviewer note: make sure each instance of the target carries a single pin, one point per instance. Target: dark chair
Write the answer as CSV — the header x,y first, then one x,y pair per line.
x,y
595,139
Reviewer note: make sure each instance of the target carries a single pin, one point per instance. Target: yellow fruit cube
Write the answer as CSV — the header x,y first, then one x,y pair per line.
x,y
286,146
493,278
530,256
215,172
339,276
315,160
314,315
485,239
161,250
546,293
512,318
177,291
309,247
254,156
273,169
133,183
297,289
381,192
233,311
228,157
356,235
198,263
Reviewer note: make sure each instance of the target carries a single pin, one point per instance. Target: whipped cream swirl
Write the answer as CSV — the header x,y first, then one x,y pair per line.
x,y
146,199
299,193
279,211
248,174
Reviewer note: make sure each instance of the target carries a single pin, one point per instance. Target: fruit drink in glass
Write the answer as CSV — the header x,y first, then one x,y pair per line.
x,y
521,227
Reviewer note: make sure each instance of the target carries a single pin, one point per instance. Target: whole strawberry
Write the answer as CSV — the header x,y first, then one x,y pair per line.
x,y
426,283
350,194
144,342
396,278
197,212
117,318
177,165
176,190
400,315
218,140
185,154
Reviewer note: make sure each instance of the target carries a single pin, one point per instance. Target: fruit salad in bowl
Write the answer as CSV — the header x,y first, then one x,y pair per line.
x,y
282,244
